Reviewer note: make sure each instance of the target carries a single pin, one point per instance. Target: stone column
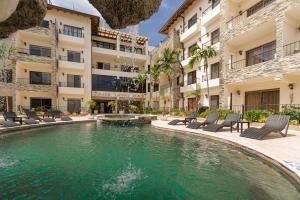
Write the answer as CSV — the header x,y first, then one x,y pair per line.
x,y
280,21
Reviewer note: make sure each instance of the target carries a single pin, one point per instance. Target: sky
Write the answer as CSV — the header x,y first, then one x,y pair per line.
x,y
149,28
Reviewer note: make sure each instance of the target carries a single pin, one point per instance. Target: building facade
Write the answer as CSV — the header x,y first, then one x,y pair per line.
x,y
69,60
258,45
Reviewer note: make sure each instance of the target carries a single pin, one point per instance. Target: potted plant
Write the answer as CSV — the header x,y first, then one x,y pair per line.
x,y
113,106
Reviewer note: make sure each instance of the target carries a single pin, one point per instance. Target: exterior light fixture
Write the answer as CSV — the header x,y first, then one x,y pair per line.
x,y
291,86
238,92
241,52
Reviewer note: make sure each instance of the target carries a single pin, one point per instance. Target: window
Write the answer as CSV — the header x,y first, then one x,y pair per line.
x,y
156,87
40,51
127,68
215,36
74,81
40,103
6,76
104,66
125,48
192,21
191,48
73,31
149,68
192,77
105,45
261,54
214,101
215,3
74,56
215,69
260,5
149,87
45,24
139,51
74,105
40,78
264,100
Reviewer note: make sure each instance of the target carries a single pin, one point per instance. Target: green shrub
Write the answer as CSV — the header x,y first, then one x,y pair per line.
x,y
256,115
222,113
294,113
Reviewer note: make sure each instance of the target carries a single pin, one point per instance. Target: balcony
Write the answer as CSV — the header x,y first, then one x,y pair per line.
x,y
255,59
117,71
42,55
70,88
188,88
243,16
185,62
190,31
25,84
71,38
211,14
213,81
73,64
44,31
113,53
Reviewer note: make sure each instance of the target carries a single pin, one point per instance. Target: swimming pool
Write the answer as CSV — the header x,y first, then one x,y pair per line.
x,y
90,161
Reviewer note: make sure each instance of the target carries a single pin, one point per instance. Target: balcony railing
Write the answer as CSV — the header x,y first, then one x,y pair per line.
x,y
26,81
253,60
211,7
292,48
249,12
71,85
66,58
73,33
42,52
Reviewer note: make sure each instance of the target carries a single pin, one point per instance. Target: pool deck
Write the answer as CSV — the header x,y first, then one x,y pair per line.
x,y
283,152
75,120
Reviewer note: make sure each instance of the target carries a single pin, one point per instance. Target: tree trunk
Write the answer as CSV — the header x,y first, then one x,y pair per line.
x,y
207,81
151,95
171,93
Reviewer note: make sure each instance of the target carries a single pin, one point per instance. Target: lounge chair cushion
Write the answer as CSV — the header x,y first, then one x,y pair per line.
x,y
176,121
195,125
257,133
66,119
214,127
10,124
30,121
48,120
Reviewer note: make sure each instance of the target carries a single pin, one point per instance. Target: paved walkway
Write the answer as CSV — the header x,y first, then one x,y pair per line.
x,y
285,151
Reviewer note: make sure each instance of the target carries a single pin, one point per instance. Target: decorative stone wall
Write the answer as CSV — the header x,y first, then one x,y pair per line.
x,y
280,65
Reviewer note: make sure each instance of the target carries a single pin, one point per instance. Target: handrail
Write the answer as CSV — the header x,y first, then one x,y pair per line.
x,y
234,65
44,51
241,13
70,85
28,81
292,48
66,58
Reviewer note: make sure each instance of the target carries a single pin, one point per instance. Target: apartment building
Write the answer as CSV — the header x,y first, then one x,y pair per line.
x,y
196,22
261,53
258,45
117,60
69,60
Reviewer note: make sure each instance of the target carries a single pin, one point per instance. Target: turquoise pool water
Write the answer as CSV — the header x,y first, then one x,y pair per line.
x,y
86,161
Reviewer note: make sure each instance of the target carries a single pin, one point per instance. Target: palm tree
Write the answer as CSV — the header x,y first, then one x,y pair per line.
x,y
141,80
154,74
200,54
196,93
169,58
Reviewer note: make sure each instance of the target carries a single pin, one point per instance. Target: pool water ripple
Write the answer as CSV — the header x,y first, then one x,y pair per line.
x,y
90,161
